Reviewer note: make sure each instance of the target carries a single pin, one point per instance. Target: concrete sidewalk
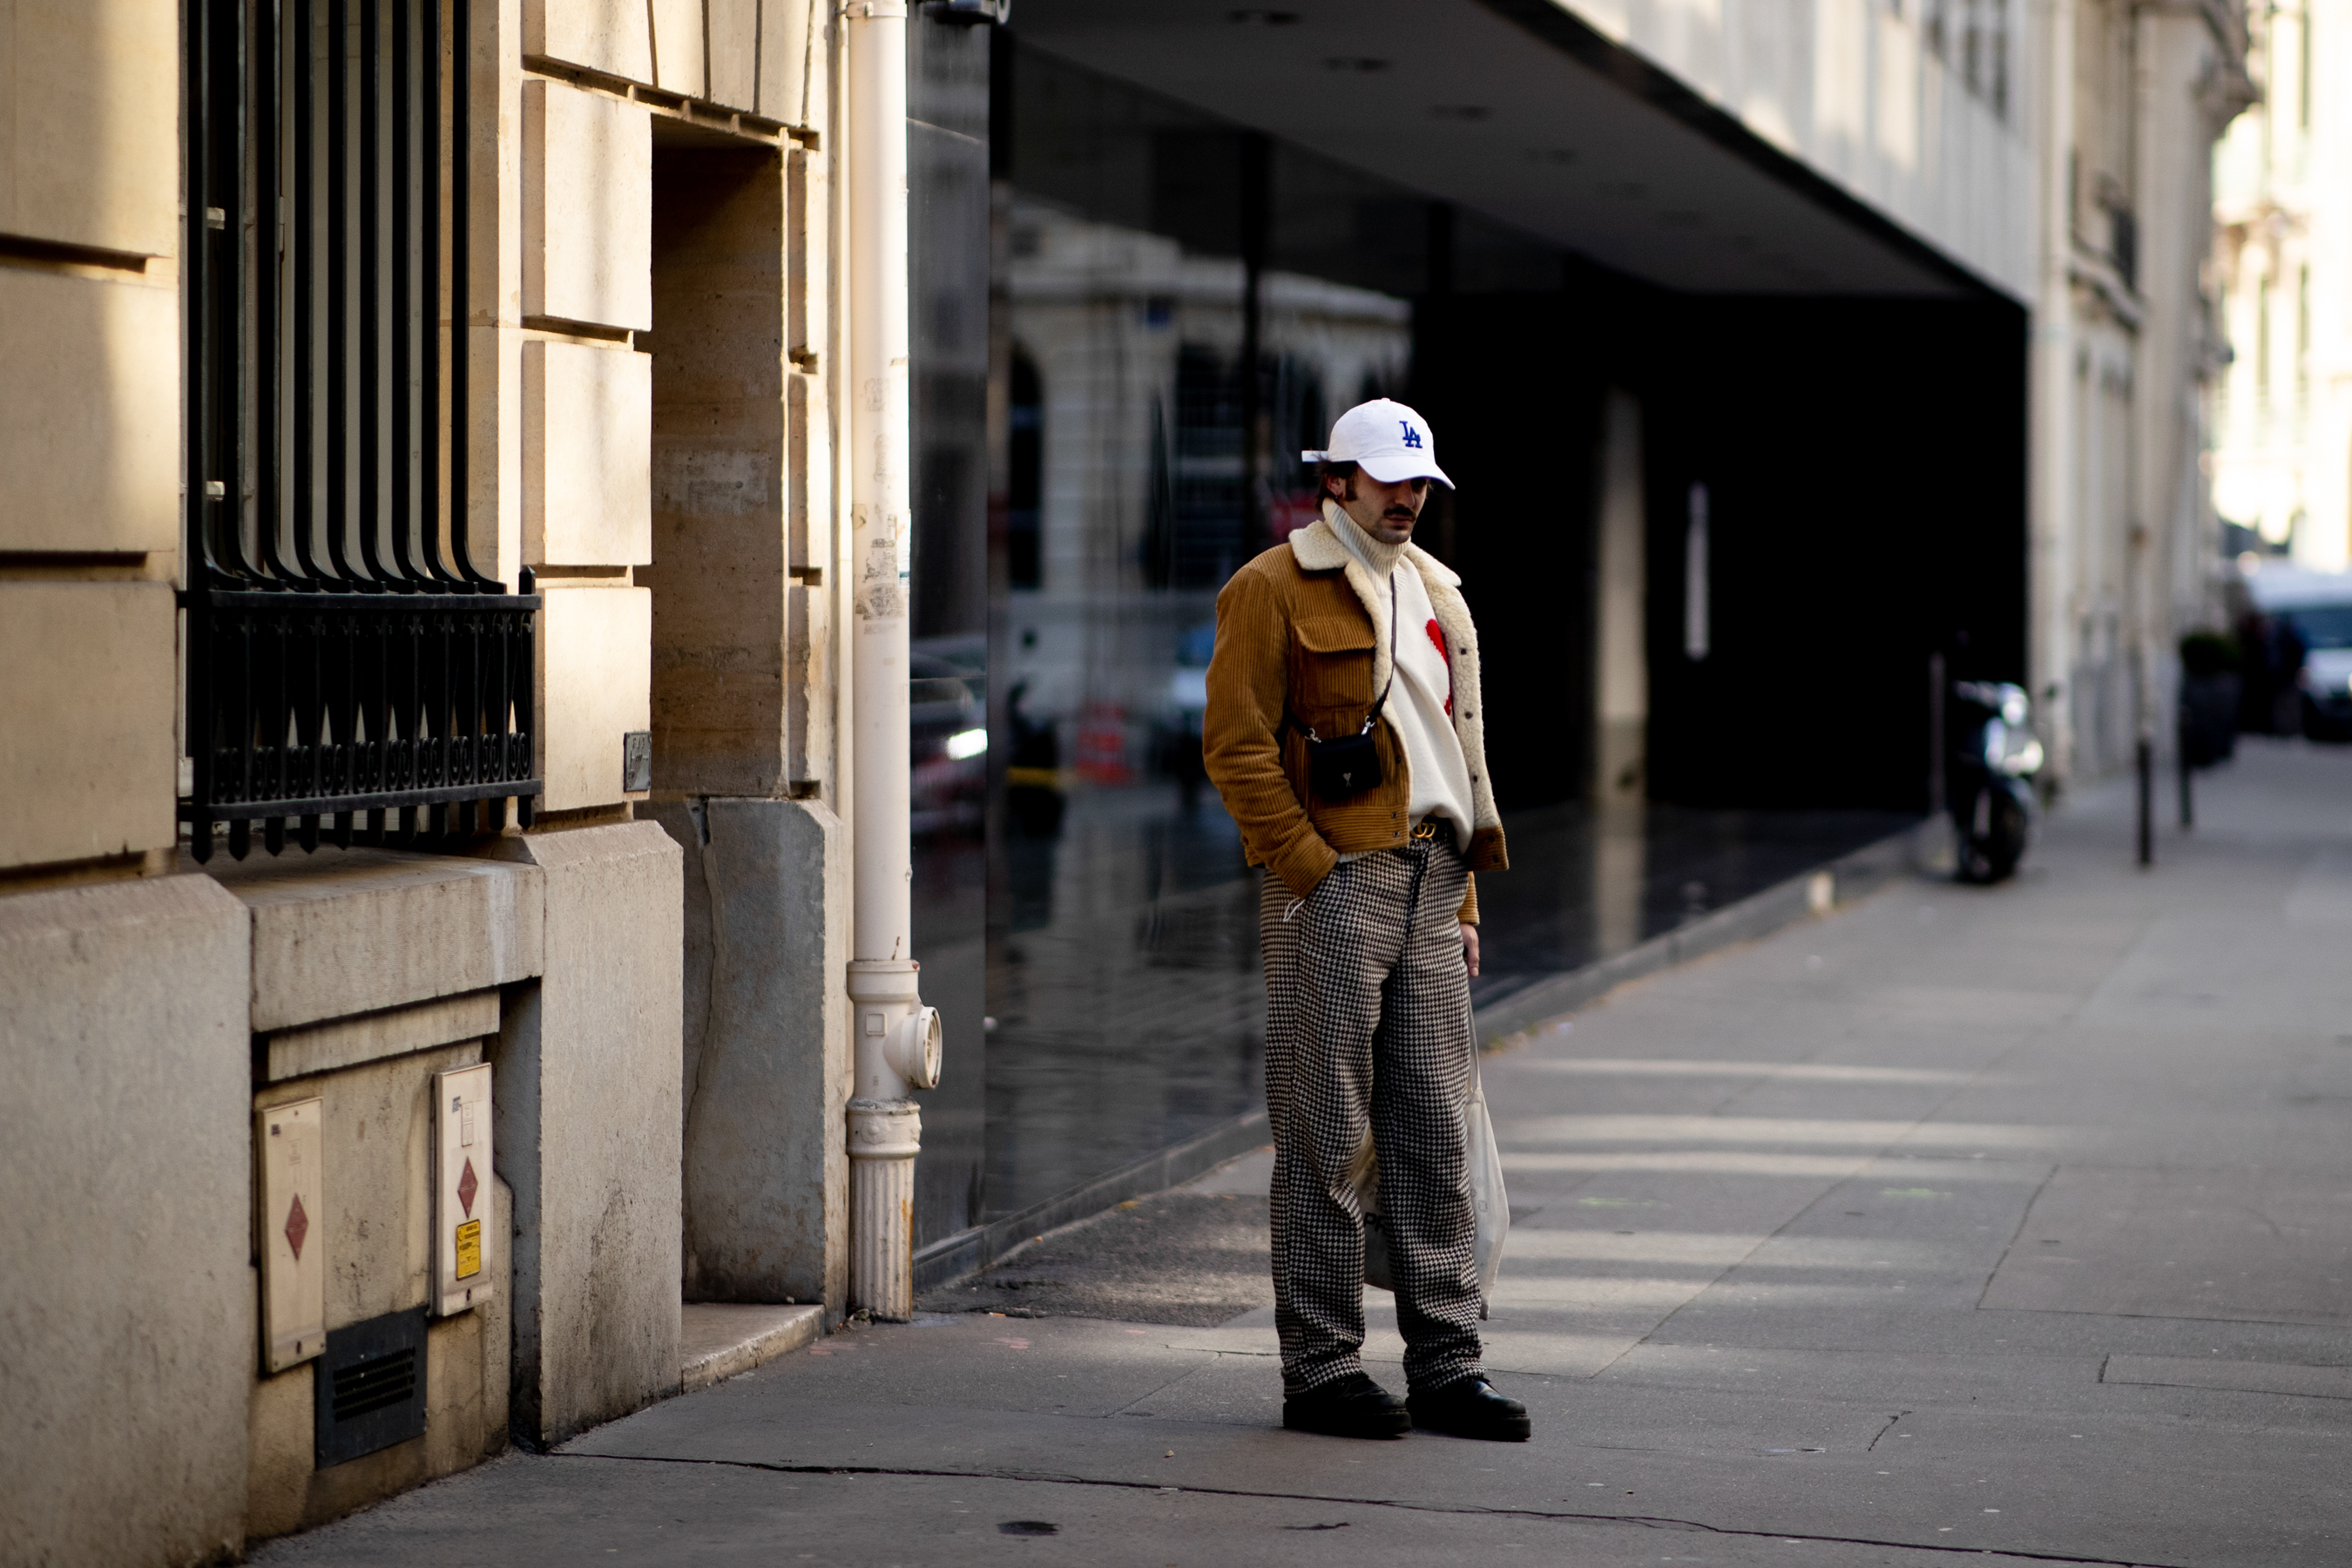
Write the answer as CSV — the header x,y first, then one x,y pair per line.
x,y
2015,1223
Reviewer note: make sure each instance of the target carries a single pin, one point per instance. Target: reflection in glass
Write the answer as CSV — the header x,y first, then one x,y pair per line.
x,y
947,214
1165,370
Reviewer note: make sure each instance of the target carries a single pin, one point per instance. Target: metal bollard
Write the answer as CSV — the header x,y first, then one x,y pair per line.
x,y
2147,759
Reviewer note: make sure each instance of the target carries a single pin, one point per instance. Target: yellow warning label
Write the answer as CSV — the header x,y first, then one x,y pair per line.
x,y
469,1250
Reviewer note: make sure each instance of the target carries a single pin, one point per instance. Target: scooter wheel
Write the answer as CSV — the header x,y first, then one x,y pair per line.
x,y
2004,847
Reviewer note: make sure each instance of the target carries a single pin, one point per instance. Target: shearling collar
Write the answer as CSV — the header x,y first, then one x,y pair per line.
x,y
1316,548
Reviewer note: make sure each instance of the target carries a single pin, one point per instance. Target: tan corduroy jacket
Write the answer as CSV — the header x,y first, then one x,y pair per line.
x,y
1304,626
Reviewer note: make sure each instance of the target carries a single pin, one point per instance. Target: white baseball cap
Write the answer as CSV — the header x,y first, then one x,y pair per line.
x,y
1387,440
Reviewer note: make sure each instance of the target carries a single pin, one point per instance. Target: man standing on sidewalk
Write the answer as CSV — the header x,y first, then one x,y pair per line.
x,y
1346,733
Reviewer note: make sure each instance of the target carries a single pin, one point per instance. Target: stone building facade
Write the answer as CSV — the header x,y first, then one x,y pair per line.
x,y
2128,340
2283,238
582,253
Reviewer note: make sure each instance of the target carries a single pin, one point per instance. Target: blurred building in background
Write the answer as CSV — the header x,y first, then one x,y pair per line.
x,y
2128,337
2281,458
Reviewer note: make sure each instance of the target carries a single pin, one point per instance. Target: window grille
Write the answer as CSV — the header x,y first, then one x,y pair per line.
x,y
351,675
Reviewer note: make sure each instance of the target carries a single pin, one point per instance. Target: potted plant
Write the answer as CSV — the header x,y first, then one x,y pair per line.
x,y
2209,697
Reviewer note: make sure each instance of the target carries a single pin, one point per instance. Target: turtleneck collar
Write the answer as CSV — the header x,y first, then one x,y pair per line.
x,y
1379,557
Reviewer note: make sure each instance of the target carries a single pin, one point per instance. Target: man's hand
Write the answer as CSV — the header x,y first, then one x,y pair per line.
x,y
1470,947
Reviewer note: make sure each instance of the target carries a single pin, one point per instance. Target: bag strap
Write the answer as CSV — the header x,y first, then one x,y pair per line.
x,y
1382,701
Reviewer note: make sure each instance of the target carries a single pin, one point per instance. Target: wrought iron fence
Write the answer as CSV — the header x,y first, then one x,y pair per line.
x,y
352,674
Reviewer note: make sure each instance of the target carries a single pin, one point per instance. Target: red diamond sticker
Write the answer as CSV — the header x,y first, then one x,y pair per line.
x,y
466,1187
298,1225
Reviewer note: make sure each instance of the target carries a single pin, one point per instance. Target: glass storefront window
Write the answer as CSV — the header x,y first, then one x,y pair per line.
x,y
1175,308
1190,306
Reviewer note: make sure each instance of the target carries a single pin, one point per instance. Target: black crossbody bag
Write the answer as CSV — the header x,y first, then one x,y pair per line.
x,y
1351,765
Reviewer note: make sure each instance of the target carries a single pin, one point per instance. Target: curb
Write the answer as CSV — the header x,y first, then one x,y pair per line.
x,y
1816,892
967,1252
723,1340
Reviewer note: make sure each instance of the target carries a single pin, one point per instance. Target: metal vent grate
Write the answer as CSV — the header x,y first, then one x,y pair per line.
x,y
374,1385
371,1386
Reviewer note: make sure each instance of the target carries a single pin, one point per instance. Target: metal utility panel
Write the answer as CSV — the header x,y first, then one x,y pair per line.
x,y
293,1233
463,1234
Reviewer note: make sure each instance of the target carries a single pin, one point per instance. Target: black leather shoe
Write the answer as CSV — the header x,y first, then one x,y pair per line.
x,y
1355,1406
1470,1408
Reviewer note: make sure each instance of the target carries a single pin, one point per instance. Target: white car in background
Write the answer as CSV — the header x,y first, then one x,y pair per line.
x,y
2318,605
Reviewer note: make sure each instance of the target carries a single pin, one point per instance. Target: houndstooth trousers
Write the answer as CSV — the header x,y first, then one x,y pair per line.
x,y
1368,1023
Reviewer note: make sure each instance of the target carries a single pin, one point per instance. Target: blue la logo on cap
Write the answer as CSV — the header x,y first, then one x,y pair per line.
x,y
1411,435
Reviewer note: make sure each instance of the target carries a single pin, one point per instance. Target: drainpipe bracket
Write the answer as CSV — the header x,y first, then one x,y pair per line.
x,y
885,1130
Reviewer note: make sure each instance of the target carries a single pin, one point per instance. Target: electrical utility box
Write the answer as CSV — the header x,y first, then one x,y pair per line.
x,y
293,1225
464,1237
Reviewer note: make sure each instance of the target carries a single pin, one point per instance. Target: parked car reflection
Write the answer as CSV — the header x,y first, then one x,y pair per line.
x,y
1188,701
947,721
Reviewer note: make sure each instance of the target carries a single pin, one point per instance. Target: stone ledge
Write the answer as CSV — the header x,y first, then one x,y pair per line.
x,y
720,1339
396,1031
343,932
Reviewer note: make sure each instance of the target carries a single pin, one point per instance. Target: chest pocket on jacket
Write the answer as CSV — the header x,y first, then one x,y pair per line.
x,y
1334,659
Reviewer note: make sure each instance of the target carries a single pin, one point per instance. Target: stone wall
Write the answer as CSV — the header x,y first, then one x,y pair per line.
x,y
152,1011
372,970
90,410
127,1324
767,1067
587,1127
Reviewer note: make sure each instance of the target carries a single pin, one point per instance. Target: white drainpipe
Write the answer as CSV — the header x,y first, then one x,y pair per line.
x,y
898,1038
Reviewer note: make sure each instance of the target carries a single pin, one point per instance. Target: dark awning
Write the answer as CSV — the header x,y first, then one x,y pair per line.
x,y
1516,109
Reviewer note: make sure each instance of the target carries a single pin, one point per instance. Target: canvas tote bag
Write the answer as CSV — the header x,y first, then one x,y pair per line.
x,y
1492,1205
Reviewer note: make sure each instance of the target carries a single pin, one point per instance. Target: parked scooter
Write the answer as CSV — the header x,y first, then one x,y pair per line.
x,y
1991,756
